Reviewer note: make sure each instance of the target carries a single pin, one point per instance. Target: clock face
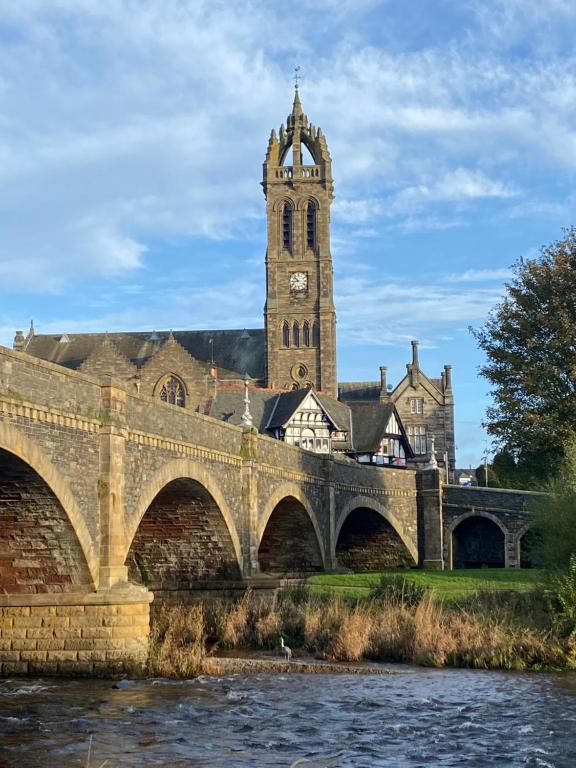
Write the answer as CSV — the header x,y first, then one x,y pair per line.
x,y
298,281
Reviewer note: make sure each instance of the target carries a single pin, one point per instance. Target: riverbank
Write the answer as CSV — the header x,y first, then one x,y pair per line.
x,y
487,631
266,664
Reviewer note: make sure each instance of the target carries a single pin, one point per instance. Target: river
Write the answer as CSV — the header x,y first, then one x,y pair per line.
x,y
415,719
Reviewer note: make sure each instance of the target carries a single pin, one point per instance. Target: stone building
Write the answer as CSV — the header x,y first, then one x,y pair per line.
x,y
205,370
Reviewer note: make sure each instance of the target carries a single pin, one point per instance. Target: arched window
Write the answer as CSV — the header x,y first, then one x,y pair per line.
x,y
311,224
287,226
285,334
296,334
306,333
316,335
172,391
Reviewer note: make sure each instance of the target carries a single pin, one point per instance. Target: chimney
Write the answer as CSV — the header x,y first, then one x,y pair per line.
x,y
383,383
19,341
414,367
448,376
415,354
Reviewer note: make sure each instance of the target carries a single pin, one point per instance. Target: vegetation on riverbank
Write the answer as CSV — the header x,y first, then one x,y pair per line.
x,y
399,622
447,585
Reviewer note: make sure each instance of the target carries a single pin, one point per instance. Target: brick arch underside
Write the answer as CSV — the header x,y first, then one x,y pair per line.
x,y
289,543
39,549
478,542
369,542
182,539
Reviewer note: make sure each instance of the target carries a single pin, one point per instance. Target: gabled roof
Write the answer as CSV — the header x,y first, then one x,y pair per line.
x,y
432,386
287,403
233,352
369,427
338,412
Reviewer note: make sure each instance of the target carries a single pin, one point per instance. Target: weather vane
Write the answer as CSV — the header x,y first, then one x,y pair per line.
x,y
297,76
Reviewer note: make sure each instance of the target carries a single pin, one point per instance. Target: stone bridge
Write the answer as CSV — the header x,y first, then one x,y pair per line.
x,y
108,497
486,527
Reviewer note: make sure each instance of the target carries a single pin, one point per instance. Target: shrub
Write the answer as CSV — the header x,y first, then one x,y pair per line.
x,y
396,590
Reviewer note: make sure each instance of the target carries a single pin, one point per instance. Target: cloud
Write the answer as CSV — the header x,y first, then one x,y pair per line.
x,y
479,275
384,313
120,130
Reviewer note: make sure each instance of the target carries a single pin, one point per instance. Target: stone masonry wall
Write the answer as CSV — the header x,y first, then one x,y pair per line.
x,y
26,378
75,637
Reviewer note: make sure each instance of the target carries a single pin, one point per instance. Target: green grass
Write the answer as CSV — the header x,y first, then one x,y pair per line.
x,y
448,585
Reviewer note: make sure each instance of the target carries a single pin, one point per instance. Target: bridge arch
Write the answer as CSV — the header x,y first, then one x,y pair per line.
x,y
14,442
500,544
370,503
288,493
185,475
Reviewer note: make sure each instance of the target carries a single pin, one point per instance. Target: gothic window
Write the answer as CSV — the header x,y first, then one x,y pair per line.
x,y
306,333
172,391
285,335
287,226
316,335
296,334
311,225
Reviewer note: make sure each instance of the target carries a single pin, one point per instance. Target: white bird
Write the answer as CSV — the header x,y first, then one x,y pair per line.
x,y
285,650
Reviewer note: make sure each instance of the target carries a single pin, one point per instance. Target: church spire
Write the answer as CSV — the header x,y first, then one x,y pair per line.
x,y
297,106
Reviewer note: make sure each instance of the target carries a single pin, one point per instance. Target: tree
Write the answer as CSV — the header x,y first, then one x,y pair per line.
x,y
486,476
555,516
530,343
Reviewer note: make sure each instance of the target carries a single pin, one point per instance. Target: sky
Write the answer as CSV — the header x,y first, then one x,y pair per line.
x,y
132,136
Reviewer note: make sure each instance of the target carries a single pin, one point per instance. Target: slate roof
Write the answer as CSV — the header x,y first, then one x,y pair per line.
x,y
229,406
235,351
338,412
359,391
369,424
285,405
270,409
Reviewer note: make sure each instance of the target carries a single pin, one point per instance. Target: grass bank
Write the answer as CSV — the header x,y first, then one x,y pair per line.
x,y
447,585
485,629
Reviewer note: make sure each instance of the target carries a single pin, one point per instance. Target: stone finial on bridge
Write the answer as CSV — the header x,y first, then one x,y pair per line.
x,y
246,420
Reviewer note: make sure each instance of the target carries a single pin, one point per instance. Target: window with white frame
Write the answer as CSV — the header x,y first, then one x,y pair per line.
x,y
417,405
417,438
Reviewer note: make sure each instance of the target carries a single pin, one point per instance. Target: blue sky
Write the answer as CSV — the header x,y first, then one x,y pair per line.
x,y
132,135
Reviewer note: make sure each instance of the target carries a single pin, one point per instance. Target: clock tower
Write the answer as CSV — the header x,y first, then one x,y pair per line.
x,y
299,314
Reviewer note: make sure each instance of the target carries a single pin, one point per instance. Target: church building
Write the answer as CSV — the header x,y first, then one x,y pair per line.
x,y
281,379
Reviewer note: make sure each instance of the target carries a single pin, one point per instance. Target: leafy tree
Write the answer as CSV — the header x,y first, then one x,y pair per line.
x,y
555,516
530,344
487,473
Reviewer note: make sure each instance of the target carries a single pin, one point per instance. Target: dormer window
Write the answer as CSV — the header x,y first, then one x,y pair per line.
x,y
172,391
